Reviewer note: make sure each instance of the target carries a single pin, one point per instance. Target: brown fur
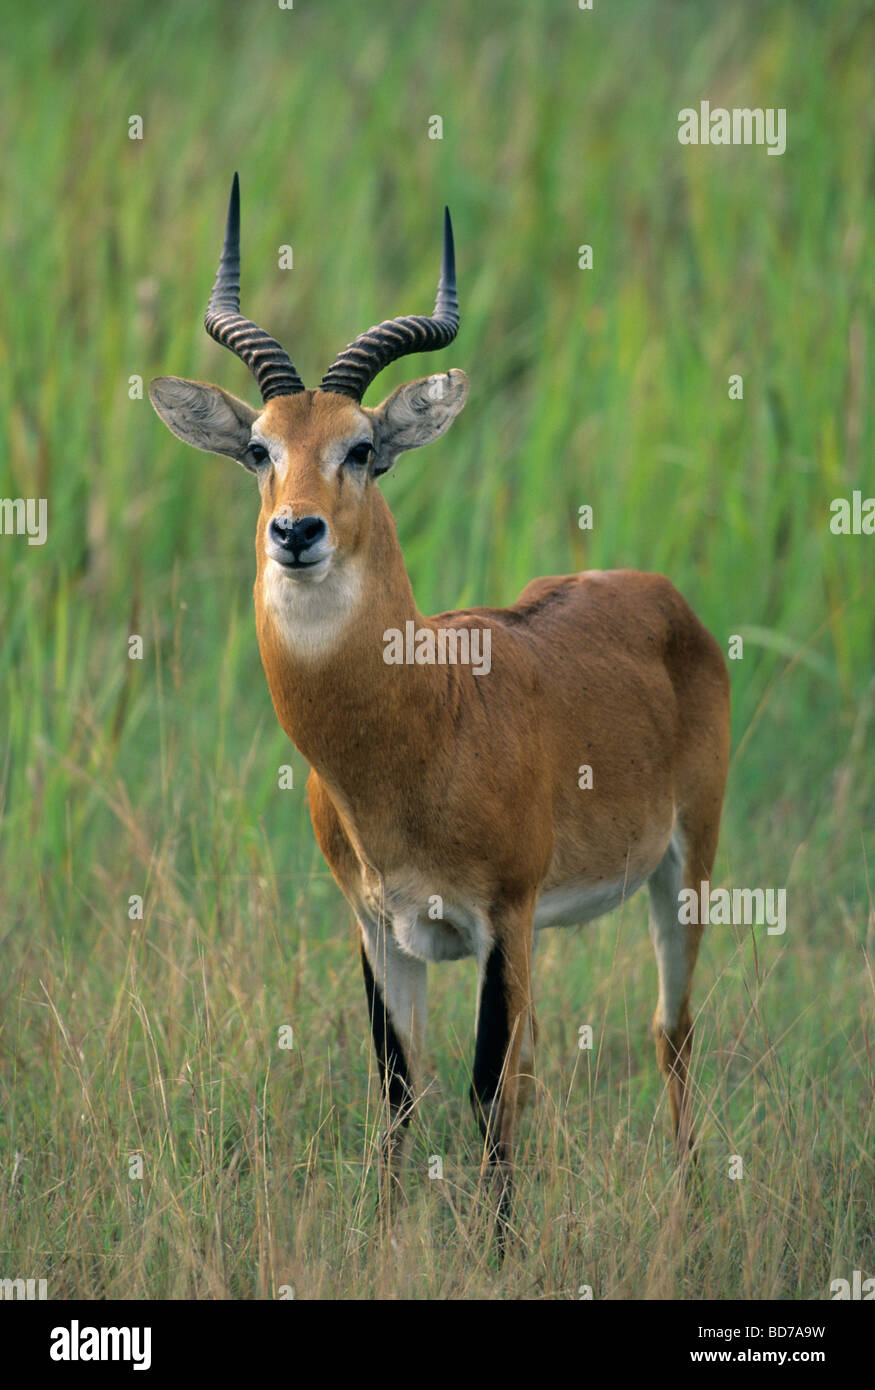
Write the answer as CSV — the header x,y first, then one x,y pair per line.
x,y
473,780
470,783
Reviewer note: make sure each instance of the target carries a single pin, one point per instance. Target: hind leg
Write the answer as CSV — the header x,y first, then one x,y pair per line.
x,y
676,945
701,683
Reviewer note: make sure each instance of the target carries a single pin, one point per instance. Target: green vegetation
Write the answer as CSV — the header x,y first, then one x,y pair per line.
x,y
609,387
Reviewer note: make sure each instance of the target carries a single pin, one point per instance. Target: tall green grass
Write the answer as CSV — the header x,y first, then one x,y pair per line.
x,y
609,387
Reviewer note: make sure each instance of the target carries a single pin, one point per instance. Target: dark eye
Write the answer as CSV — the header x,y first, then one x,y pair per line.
x,y
359,454
258,453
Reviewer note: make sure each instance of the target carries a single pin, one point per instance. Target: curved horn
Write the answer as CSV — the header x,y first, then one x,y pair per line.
x,y
268,362
354,369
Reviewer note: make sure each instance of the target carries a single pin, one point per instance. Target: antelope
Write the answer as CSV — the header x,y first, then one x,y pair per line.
x,y
446,799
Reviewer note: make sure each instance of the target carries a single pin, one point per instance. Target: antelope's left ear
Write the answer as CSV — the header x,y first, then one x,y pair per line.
x,y
415,414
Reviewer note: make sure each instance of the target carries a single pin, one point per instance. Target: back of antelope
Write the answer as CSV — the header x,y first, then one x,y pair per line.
x,y
446,798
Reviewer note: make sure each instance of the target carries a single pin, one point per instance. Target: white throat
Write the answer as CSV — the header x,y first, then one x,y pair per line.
x,y
312,615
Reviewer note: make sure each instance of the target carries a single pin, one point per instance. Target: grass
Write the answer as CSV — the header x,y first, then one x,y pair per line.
x,y
159,1037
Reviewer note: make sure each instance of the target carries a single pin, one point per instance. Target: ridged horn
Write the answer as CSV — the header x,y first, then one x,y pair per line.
x,y
268,362
353,370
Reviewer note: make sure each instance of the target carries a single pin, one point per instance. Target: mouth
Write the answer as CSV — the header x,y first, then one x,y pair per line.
x,y
312,569
298,564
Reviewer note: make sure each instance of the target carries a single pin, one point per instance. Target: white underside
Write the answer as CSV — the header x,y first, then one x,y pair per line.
x,y
575,903
464,929
399,956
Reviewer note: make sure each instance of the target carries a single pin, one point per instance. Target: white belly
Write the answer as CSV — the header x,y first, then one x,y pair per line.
x,y
573,903
463,929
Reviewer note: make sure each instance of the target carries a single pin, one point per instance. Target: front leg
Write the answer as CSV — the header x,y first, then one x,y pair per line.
x,y
395,986
504,1048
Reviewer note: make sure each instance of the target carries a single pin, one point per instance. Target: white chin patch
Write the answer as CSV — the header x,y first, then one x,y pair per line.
x,y
311,608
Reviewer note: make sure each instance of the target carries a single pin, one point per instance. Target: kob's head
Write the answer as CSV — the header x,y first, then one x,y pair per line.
x,y
315,454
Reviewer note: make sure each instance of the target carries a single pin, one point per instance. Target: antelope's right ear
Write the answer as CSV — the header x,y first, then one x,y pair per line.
x,y
203,415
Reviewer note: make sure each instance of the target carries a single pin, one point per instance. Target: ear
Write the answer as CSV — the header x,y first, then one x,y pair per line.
x,y
202,415
415,414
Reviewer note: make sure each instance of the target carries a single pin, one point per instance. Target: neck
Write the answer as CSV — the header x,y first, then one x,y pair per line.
x,y
322,646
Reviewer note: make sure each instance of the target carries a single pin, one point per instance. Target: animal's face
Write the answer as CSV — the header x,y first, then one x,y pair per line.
x,y
315,456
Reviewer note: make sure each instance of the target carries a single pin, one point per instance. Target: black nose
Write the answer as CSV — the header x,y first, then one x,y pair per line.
x,y
296,536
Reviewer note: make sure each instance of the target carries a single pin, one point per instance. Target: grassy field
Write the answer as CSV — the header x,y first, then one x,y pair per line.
x,y
157,777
